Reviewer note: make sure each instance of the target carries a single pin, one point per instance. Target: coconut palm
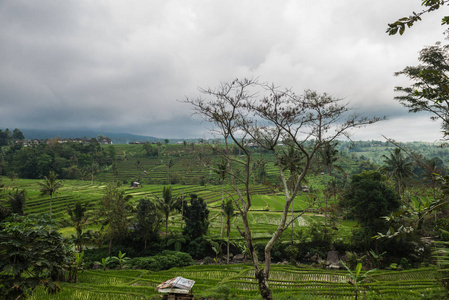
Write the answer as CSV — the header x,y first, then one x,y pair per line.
x,y
12,176
399,167
221,172
292,160
94,169
169,164
17,201
229,213
79,218
166,204
328,155
50,186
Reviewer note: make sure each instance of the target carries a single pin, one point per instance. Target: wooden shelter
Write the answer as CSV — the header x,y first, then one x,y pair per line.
x,y
177,288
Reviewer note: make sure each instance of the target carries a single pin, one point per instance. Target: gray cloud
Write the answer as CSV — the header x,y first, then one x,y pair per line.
x,y
123,65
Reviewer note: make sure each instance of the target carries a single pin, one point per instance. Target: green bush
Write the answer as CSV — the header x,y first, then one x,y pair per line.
x,y
278,252
200,248
292,252
163,261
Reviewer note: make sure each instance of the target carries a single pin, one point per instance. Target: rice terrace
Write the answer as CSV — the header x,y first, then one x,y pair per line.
x,y
323,254
217,150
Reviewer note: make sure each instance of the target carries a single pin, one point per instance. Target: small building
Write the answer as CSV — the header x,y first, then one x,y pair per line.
x,y
135,184
177,288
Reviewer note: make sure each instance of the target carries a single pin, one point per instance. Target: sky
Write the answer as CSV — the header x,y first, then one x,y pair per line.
x,y
125,66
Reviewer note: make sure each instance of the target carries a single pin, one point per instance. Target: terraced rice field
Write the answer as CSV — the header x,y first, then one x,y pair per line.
x,y
284,280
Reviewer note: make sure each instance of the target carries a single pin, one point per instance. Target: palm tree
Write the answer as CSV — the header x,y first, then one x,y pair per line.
x,y
115,211
229,213
50,186
139,165
17,201
12,176
292,161
169,164
221,172
79,218
166,205
328,156
399,167
94,169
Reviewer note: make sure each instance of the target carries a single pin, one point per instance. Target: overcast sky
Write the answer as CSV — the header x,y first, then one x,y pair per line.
x,y
124,65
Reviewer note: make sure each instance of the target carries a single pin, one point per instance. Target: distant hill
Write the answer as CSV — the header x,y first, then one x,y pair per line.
x,y
117,137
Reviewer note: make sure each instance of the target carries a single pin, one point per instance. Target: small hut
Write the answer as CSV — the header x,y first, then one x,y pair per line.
x,y
135,184
177,288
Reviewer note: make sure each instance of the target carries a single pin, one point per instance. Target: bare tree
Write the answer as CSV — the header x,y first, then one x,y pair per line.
x,y
247,113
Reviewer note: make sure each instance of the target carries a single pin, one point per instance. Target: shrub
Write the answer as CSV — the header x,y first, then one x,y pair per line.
x,y
163,261
32,252
200,248
292,252
278,252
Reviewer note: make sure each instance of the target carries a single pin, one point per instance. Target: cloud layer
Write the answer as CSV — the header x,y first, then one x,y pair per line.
x,y
123,66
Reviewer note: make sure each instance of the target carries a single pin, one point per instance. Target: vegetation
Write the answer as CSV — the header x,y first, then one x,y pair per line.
x,y
235,282
50,186
82,212
274,164
196,216
115,212
303,122
367,200
429,6
31,254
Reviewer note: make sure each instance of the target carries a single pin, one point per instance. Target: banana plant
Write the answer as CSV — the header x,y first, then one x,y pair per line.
x,y
356,278
77,265
104,263
121,259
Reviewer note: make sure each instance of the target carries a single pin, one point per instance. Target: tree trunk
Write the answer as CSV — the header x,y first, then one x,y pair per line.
x,y
327,197
51,198
222,208
264,289
228,233
182,209
166,226
110,246
260,274
293,224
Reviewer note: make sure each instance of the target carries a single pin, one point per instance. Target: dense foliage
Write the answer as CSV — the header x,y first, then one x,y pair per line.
x,y
196,217
368,199
32,252
147,222
162,261
69,160
7,137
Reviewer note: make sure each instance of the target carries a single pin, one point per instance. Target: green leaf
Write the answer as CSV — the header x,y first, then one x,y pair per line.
x,y
358,269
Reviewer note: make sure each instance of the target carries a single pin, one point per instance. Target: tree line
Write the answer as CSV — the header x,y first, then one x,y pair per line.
x,y
69,160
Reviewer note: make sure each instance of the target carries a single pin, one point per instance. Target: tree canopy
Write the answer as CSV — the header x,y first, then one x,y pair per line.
x,y
429,90
253,114
31,254
429,6
368,199
196,215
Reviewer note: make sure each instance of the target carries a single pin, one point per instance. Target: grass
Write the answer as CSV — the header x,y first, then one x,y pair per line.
x,y
237,281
